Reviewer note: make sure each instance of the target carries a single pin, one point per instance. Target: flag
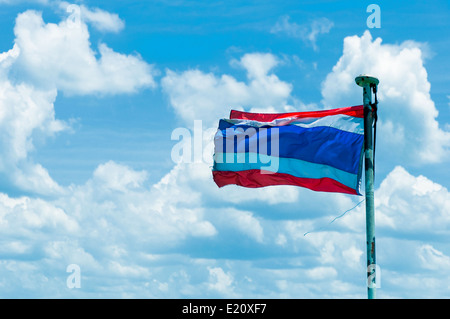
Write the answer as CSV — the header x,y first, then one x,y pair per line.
x,y
319,150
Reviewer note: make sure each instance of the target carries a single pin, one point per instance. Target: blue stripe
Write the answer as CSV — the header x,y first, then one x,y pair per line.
x,y
321,145
248,161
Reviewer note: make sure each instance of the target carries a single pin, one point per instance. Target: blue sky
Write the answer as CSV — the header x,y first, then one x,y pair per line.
x,y
92,91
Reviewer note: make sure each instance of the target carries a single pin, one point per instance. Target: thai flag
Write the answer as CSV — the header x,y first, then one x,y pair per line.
x,y
320,150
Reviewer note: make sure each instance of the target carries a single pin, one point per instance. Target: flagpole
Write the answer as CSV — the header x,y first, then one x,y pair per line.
x,y
367,83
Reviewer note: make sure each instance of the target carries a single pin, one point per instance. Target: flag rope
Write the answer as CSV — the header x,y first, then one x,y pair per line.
x,y
374,107
342,215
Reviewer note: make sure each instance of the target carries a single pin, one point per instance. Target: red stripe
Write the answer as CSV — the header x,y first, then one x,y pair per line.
x,y
254,179
355,111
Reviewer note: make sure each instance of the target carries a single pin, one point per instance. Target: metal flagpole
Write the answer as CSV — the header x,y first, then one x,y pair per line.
x,y
368,83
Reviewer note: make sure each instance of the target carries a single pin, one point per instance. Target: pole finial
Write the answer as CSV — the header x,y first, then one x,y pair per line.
x,y
364,80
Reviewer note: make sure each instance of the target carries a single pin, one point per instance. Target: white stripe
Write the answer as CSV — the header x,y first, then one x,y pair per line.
x,y
339,121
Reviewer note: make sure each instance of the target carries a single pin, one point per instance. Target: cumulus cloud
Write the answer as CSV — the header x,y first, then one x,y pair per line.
x,y
119,198
100,19
198,95
411,227
118,177
22,216
26,112
220,281
48,58
112,225
413,205
60,56
106,226
408,126
407,207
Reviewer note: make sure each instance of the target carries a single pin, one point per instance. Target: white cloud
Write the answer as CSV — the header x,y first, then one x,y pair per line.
x,y
45,59
306,32
26,113
220,281
413,205
244,222
30,218
113,223
197,95
102,20
408,127
117,195
320,273
433,259
117,177
7,59
60,56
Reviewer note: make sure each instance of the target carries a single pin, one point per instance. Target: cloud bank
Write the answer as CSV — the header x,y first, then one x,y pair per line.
x,y
47,59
